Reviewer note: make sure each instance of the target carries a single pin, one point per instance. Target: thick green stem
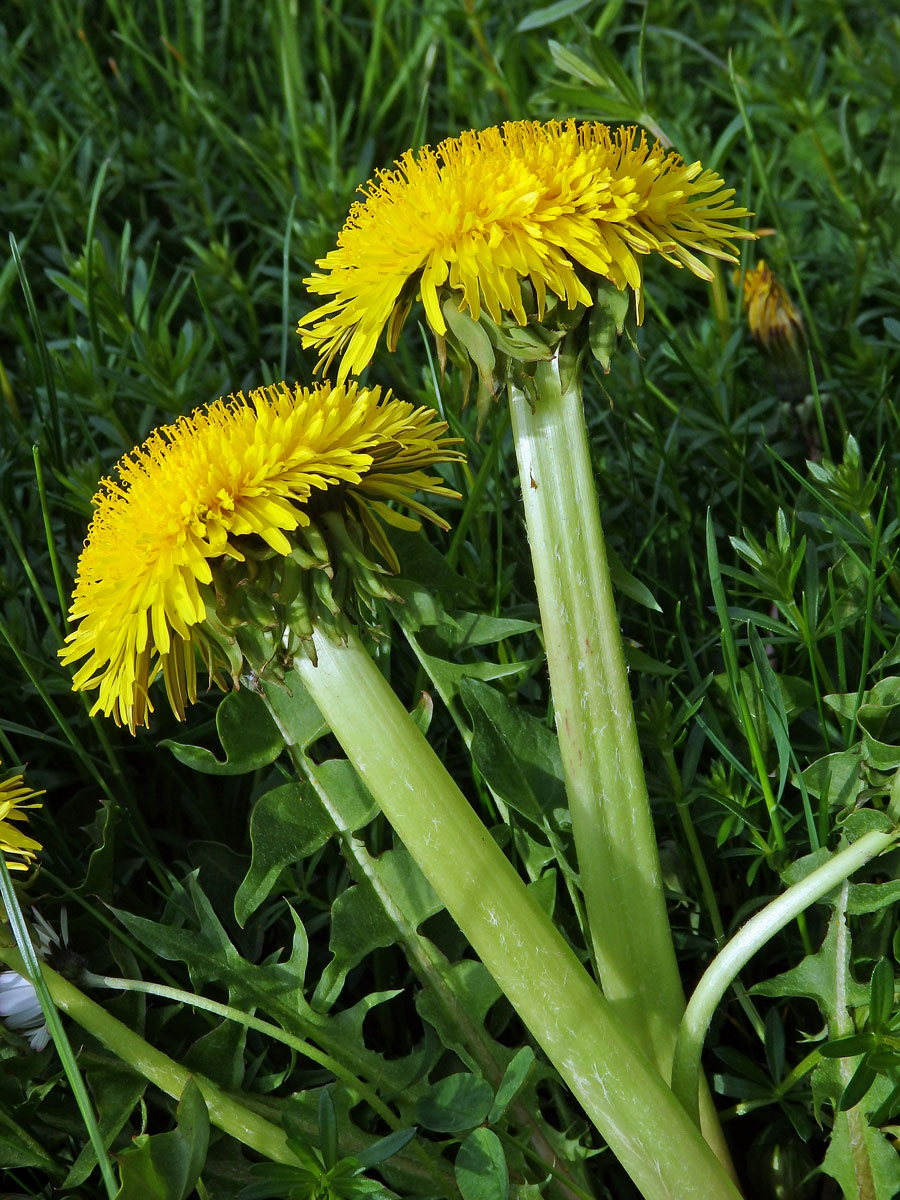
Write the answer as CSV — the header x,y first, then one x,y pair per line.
x,y
225,1112
429,965
614,836
752,937
611,821
617,1085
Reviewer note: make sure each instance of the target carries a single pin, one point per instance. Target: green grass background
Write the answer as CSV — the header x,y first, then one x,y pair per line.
x,y
172,170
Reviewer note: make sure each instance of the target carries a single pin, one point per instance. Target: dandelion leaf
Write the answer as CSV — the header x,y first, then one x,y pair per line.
x,y
287,824
824,976
248,735
517,754
387,906
167,1166
859,1155
116,1090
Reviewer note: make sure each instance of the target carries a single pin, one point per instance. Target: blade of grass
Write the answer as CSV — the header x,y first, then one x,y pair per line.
x,y
56,447
35,977
733,674
286,285
91,299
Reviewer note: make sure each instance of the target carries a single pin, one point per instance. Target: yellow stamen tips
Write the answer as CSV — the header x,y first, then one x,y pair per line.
x,y
773,320
553,203
14,798
230,479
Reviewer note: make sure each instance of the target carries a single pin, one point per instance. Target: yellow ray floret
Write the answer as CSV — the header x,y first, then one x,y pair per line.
x,y
186,497
14,797
554,203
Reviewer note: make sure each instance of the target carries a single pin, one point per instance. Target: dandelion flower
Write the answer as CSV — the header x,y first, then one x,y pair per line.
x,y
14,797
773,320
553,203
233,481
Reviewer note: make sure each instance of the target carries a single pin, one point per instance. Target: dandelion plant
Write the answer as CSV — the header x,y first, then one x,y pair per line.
x,y
248,535
509,236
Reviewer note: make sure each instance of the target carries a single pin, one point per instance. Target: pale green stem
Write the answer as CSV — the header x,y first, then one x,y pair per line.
x,y
429,965
851,1125
752,937
275,1032
619,1088
613,829
225,1112
611,822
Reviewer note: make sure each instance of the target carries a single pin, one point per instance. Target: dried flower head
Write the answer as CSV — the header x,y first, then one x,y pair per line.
x,y
773,320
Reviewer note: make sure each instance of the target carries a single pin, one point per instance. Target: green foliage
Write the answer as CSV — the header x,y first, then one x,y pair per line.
x,y
248,735
480,1167
172,173
166,1166
322,1175
515,752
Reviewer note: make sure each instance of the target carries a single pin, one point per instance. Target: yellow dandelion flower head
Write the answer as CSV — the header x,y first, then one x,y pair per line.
x,y
553,203
192,493
15,797
771,316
